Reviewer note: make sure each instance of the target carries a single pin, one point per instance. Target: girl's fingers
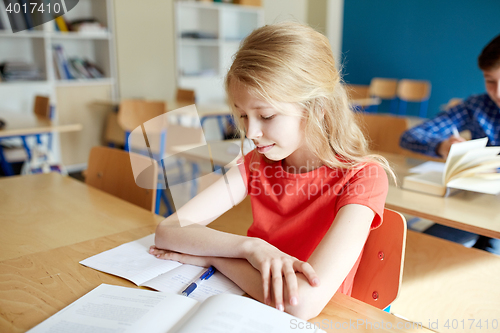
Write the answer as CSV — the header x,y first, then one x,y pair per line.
x,y
277,279
306,269
266,282
291,283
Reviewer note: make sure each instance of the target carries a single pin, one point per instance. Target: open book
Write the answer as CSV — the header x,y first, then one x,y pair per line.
x,y
110,308
133,262
470,166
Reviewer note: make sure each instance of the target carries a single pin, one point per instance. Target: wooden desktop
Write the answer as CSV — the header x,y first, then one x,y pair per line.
x,y
51,222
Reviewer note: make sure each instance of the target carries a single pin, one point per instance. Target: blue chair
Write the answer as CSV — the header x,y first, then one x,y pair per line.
x,y
41,109
132,115
416,92
385,89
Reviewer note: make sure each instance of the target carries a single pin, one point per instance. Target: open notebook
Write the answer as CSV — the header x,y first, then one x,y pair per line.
x,y
133,262
470,166
110,308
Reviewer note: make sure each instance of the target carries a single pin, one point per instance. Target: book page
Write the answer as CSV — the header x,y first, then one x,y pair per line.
x,y
457,150
428,167
476,184
230,313
113,309
178,279
131,261
471,159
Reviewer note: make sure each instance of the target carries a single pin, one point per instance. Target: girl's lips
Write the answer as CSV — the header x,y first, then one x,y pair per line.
x,y
264,149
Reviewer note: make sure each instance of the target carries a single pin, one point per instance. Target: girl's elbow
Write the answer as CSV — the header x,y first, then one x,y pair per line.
x,y
304,310
308,307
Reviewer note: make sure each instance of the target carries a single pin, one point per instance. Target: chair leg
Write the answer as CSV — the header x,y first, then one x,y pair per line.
x,y
402,107
7,168
394,106
26,147
221,126
423,109
194,181
165,199
158,200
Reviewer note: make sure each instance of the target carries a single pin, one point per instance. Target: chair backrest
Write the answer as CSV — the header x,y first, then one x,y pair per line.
x,y
41,106
380,271
382,130
178,135
185,95
414,90
383,88
357,91
110,170
134,112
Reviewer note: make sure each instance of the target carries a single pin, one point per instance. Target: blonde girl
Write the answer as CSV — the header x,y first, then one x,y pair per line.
x,y
315,190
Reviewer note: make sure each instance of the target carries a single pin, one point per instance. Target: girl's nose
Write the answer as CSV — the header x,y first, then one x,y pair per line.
x,y
253,130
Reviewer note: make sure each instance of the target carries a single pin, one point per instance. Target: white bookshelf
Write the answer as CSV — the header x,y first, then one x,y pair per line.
x,y
202,63
36,46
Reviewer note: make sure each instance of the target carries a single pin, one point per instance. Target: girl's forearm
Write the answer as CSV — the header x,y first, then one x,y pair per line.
x,y
243,274
202,241
250,280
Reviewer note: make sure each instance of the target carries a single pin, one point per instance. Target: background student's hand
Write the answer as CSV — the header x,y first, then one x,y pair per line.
x,y
274,265
180,257
444,147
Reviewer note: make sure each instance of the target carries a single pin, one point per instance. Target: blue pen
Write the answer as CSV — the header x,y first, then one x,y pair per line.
x,y
205,276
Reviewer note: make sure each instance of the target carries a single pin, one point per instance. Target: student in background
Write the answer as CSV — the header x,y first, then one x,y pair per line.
x,y
480,114
315,190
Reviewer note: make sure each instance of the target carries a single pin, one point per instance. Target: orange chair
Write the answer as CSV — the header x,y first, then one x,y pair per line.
x,y
380,271
384,88
414,91
383,131
110,170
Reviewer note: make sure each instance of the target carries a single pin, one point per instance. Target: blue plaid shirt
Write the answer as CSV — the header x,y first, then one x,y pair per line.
x,y
478,114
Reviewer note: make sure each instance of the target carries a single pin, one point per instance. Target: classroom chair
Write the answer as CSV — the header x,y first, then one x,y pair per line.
x,y
380,271
385,89
382,131
357,91
133,114
178,135
110,170
416,92
16,152
185,96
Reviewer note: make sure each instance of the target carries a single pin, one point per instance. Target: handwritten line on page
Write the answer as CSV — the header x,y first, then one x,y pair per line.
x,y
133,262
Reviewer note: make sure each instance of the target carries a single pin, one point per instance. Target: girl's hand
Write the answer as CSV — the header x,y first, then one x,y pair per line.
x,y
180,257
274,265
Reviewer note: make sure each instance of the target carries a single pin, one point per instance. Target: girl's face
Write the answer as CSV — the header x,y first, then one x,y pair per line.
x,y
277,135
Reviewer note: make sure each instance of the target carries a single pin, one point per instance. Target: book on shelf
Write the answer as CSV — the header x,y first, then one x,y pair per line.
x,y
86,25
133,262
109,308
470,166
27,14
74,68
61,24
20,71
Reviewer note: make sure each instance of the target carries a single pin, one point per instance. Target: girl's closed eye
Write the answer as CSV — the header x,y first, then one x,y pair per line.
x,y
268,117
243,116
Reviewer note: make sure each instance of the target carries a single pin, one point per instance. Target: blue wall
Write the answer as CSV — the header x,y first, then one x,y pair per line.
x,y
435,40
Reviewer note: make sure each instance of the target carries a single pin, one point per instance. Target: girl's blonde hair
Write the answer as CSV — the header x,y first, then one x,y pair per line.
x,y
293,63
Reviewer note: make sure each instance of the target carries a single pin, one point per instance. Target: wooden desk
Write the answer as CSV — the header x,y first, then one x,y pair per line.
x,y
39,279
444,281
475,212
29,124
